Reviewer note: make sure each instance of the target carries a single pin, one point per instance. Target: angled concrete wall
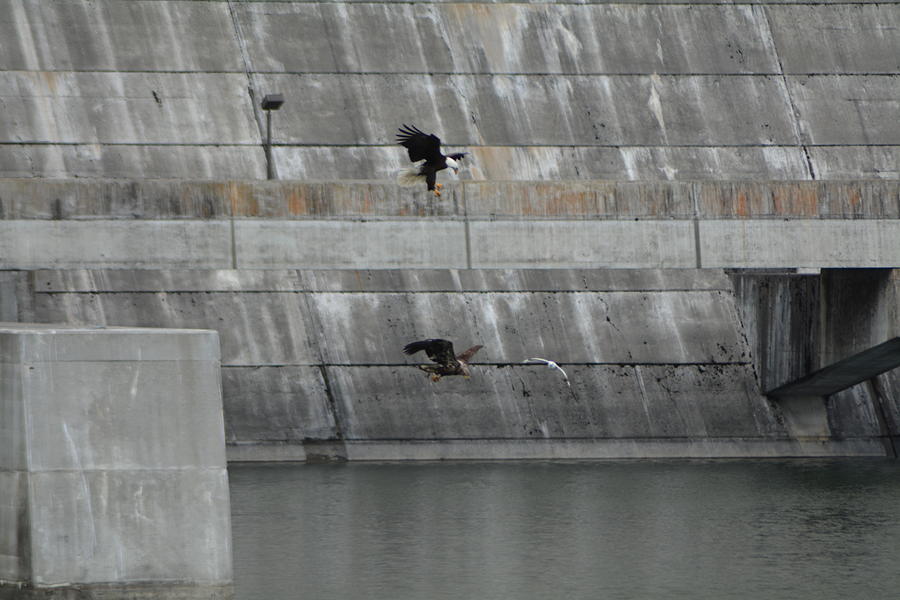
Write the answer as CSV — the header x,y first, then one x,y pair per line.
x,y
797,324
112,463
659,360
622,91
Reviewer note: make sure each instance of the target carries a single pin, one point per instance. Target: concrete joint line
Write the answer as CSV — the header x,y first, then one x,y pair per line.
x,y
697,254
466,229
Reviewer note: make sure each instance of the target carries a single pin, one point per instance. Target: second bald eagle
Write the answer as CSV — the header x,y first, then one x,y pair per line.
x,y
425,149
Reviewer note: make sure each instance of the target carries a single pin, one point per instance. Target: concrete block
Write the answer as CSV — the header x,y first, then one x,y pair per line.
x,y
846,38
577,244
800,243
804,199
13,450
73,281
171,400
127,108
181,280
824,103
27,244
350,244
527,162
27,199
115,480
611,327
276,404
125,36
130,526
577,199
118,161
851,162
374,200
273,329
14,534
531,402
601,110
505,38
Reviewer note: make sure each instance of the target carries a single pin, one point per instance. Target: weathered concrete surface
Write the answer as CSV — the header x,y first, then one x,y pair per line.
x,y
845,373
115,244
825,244
112,461
865,311
662,362
799,324
628,91
126,36
366,225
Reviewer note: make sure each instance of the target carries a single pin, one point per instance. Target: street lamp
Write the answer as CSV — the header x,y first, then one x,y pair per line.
x,y
270,102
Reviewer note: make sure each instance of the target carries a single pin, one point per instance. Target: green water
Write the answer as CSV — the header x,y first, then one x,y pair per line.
x,y
528,530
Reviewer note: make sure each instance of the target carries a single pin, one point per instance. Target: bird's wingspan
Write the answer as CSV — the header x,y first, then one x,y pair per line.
x,y
419,145
438,350
465,356
540,360
550,363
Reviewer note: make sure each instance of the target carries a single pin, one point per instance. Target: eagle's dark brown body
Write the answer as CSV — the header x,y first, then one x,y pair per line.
x,y
441,352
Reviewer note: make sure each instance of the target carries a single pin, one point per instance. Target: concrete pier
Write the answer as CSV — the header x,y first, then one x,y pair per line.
x,y
112,464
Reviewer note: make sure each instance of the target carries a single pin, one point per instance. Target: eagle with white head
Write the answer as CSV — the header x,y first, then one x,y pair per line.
x,y
425,150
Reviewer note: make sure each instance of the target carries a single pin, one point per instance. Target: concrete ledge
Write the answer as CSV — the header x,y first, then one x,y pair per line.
x,y
169,591
570,449
598,199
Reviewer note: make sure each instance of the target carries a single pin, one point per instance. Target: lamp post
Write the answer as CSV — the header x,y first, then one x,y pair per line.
x,y
270,102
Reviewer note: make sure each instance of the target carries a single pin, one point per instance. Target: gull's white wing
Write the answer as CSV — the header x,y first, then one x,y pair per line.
x,y
551,364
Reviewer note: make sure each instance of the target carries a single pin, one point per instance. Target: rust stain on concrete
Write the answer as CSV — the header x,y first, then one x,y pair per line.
x,y
741,206
807,202
297,202
241,199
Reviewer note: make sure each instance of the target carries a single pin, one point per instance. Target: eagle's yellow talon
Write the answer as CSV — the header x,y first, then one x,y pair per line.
x,y
437,193
435,377
439,185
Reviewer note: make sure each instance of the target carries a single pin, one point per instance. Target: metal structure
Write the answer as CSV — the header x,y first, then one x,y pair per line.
x,y
270,102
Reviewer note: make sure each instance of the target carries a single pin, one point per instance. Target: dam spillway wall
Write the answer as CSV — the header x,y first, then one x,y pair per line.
x,y
662,361
669,91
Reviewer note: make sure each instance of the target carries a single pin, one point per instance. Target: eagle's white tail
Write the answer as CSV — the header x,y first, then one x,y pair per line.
x,y
410,176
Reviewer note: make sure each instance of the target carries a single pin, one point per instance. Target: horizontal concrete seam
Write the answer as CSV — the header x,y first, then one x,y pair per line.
x,y
554,74
210,468
498,365
102,361
391,291
697,438
255,145
594,218
600,3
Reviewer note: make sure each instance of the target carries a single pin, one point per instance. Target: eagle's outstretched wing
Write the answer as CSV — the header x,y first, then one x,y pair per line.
x,y
420,145
438,350
465,356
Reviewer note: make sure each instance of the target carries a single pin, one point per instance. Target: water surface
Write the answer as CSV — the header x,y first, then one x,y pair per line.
x,y
535,530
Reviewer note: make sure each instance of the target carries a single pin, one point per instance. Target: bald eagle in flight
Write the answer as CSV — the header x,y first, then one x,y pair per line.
x,y
427,149
441,352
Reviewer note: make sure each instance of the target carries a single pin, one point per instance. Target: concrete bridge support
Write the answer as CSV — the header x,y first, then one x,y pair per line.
x,y
112,464
840,325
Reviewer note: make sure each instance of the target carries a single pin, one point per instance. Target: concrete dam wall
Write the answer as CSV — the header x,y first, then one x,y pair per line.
x,y
536,91
50,224
662,361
